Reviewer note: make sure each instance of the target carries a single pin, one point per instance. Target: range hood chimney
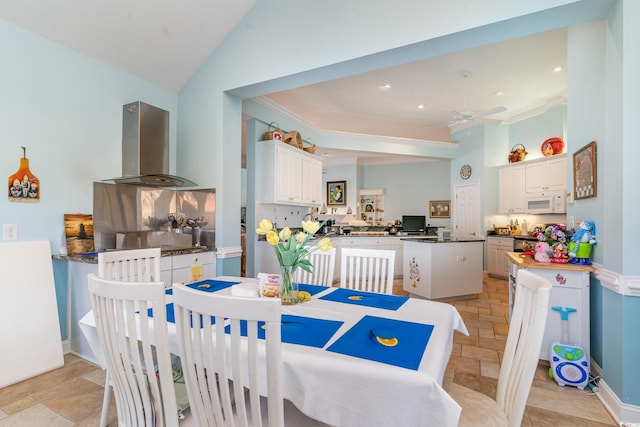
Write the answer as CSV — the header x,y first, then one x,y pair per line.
x,y
145,147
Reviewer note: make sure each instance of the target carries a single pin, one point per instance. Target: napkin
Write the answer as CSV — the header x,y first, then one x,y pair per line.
x,y
406,350
245,289
369,299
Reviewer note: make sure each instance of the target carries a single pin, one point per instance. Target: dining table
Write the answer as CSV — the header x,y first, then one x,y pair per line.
x,y
352,358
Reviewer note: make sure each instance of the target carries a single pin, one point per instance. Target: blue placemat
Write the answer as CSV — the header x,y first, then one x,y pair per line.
x,y
213,285
171,315
410,341
300,330
312,289
369,299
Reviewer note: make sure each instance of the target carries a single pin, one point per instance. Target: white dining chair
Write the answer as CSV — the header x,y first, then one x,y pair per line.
x,y
226,374
519,362
323,266
136,265
136,349
368,270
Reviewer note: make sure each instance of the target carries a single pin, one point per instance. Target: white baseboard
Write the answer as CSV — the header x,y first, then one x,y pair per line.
x,y
66,346
623,413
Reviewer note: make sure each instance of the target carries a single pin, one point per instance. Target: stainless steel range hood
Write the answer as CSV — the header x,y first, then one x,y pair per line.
x,y
145,147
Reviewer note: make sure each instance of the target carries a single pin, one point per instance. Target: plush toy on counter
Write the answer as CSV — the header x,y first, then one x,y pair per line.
x,y
558,256
542,252
582,242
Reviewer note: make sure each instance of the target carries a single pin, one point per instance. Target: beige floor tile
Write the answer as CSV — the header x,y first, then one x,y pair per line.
x,y
462,364
34,416
75,400
489,369
486,333
479,353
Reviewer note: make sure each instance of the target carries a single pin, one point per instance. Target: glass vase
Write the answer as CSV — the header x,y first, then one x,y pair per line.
x,y
288,288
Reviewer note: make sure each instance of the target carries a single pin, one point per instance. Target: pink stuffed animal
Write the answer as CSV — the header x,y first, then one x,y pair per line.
x,y
542,252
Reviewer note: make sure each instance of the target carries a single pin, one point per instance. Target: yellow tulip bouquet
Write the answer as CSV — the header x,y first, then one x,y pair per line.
x,y
292,252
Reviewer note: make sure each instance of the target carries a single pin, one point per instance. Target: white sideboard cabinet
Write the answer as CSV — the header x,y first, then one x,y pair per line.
x,y
570,288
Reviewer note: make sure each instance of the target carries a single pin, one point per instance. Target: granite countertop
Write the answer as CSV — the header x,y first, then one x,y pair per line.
x,y
92,257
435,240
527,261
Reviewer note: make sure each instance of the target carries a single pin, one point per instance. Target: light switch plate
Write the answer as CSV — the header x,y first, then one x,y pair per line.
x,y
10,232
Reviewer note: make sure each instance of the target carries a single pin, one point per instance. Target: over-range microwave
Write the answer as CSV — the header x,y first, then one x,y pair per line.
x,y
546,203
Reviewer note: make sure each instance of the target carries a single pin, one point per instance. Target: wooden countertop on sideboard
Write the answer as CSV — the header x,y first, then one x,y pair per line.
x,y
526,261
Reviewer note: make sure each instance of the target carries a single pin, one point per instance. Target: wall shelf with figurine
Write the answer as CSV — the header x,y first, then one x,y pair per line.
x,y
371,206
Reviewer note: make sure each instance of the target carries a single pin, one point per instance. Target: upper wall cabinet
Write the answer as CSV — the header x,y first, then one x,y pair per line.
x,y
287,175
546,175
511,186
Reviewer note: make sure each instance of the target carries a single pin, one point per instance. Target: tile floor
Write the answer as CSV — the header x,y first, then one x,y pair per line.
x,y
72,395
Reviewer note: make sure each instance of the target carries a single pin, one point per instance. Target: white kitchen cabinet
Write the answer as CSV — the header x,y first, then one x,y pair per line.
x,y
546,175
371,207
287,175
189,268
570,288
497,261
511,186
311,176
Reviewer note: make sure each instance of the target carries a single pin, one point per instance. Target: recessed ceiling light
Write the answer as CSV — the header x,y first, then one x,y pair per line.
x,y
421,106
557,69
498,93
386,86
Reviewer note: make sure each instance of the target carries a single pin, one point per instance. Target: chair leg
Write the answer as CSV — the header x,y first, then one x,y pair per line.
x,y
106,402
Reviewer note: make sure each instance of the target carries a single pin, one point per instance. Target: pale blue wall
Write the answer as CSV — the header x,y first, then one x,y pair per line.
x,y
409,187
66,109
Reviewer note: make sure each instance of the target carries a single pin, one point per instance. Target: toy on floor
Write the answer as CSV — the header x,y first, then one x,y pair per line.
x,y
582,242
569,363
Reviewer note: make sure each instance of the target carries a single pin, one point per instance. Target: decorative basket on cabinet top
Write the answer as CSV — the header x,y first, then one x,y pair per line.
x,y
518,153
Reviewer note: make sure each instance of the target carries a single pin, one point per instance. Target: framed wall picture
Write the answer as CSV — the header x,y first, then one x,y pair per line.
x,y
336,193
439,208
584,172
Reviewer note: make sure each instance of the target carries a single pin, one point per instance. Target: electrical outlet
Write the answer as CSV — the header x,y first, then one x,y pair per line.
x,y
10,232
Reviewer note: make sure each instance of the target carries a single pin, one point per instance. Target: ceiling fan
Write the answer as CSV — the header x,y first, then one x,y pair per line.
x,y
465,118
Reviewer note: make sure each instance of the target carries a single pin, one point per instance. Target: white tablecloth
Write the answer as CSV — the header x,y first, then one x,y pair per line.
x,y
343,390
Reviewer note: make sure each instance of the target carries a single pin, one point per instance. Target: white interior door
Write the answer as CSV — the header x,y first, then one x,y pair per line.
x,y
466,211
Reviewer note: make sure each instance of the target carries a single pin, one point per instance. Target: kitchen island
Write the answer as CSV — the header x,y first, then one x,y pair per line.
x,y
437,269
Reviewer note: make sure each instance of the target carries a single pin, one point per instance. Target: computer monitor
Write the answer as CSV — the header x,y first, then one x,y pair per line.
x,y
413,223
